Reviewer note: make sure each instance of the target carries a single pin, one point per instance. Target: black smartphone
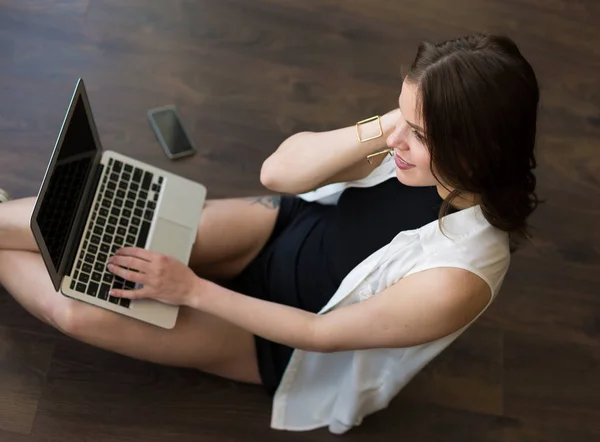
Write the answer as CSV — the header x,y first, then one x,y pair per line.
x,y
171,133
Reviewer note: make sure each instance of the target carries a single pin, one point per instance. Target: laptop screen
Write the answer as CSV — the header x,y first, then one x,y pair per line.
x,y
66,184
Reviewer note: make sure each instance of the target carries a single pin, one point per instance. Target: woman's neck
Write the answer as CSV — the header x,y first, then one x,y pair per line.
x,y
463,201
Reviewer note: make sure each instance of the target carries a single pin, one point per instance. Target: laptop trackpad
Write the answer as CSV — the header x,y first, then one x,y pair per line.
x,y
171,239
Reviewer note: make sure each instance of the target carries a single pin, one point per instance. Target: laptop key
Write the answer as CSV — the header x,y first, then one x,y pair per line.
x,y
103,292
144,195
86,268
111,185
110,230
95,239
103,212
147,181
98,230
121,193
104,248
113,220
84,277
124,302
121,231
126,177
119,240
123,185
118,202
138,212
137,175
92,289
96,276
130,239
114,177
113,300
80,287
128,168
89,258
149,215
129,204
117,166
72,286
108,278
134,187
101,221
143,237
92,249
99,267
135,221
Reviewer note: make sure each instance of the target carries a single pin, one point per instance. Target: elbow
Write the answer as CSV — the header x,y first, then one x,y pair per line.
x,y
276,173
268,175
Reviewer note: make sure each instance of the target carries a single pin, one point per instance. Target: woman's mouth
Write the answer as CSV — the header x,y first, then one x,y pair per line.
x,y
401,163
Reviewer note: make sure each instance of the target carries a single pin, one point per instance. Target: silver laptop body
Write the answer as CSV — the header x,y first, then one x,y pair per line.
x,y
93,202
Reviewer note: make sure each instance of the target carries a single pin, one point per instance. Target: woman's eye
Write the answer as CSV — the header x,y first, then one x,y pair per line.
x,y
418,136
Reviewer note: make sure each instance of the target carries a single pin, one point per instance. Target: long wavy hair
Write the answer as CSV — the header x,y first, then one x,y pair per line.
x,y
479,101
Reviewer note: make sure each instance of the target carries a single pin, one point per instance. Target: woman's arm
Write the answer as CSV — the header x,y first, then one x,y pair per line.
x,y
417,309
309,160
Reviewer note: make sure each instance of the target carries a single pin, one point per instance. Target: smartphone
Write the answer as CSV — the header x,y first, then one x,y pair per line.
x,y
171,133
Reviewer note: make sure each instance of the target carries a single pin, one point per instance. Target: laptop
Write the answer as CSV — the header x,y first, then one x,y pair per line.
x,y
93,202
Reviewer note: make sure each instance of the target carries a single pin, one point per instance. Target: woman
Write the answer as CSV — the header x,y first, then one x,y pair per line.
x,y
302,271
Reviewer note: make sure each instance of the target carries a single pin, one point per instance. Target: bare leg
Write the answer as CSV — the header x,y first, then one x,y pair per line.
x,y
232,232
198,340
15,233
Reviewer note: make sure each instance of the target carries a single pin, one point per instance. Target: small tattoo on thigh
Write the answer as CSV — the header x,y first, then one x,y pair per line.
x,y
270,202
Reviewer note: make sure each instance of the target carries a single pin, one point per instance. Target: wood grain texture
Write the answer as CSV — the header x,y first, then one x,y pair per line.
x,y
246,75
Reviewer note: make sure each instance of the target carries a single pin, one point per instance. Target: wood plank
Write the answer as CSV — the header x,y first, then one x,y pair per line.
x,y
24,360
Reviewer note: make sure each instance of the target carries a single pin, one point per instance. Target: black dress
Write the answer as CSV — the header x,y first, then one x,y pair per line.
x,y
314,246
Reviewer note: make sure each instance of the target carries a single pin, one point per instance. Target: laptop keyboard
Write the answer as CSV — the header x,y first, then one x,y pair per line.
x,y
121,217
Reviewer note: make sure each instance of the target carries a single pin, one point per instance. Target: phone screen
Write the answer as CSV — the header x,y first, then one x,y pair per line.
x,y
173,135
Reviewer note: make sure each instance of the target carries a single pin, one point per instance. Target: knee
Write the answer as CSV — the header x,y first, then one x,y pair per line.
x,y
69,317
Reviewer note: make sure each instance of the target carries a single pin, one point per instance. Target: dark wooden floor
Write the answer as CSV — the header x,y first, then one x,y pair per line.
x,y
245,75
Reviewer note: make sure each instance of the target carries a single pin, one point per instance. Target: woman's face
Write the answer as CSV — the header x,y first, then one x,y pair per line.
x,y
408,141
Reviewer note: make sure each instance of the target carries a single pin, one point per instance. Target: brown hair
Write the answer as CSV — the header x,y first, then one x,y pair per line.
x,y
479,100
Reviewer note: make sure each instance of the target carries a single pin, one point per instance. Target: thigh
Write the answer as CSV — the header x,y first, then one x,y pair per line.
x,y
198,340
232,233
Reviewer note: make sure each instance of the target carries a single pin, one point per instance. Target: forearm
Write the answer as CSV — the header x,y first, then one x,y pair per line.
x,y
306,160
278,323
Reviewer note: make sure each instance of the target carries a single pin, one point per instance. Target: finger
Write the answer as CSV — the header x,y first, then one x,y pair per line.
x,y
131,263
136,252
128,275
129,294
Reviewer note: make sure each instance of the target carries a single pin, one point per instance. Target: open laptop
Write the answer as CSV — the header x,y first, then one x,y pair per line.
x,y
93,202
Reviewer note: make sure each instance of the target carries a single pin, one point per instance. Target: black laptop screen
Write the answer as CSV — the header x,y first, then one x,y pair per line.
x,y
67,182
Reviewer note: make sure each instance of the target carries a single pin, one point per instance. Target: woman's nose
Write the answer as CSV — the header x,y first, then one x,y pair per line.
x,y
397,139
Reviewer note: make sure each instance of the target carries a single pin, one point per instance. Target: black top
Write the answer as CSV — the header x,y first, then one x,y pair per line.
x,y
363,221
314,246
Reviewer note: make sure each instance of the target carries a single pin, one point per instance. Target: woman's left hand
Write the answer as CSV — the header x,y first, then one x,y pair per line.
x,y
163,277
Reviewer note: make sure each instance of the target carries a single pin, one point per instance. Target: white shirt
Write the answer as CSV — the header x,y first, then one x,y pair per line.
x,y
339,389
